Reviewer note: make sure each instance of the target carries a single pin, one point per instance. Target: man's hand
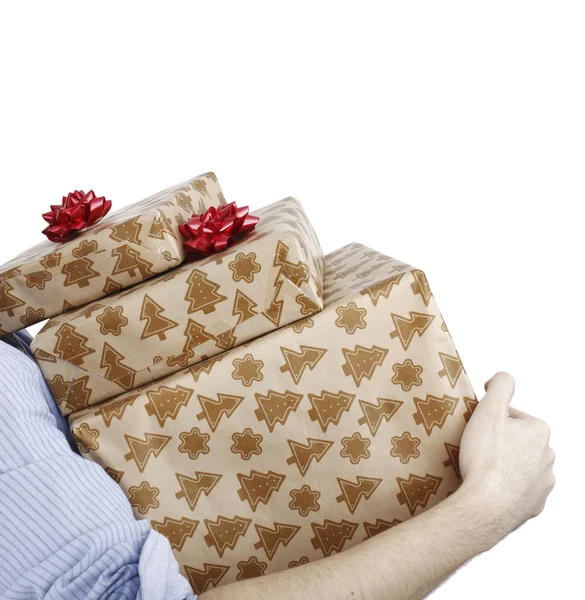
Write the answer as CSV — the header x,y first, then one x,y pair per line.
x,y
506,465
505,458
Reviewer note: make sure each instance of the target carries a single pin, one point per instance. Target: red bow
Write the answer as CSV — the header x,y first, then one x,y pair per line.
x,y
77,212
216,229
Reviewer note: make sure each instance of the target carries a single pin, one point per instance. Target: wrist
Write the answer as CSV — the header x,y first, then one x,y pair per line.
x,y
485,511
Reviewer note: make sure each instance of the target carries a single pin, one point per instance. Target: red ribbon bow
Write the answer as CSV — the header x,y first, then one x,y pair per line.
x,y
217,228
77,212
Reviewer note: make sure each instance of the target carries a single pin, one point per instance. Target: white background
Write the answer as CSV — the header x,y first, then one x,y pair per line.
x,y
450,135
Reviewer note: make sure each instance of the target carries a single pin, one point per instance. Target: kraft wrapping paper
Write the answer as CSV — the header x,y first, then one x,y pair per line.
x,y
301,443
269,278
128,246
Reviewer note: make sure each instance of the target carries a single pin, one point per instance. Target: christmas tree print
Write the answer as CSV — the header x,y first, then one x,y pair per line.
x,y
258,487
296,363
79,272
66,308
193,487
470,404
304,454
329,407
452,368
142,450
129,261
44,356
374,414
244,307
453,458
272,538
166,402
214,410
379,526
161,225
76,393
195,335
331,536
85,248
433,411
8,301
115,475
175,530
250,569
50,261
420,286
38,279
405,328
381,289
208,577
156,324
416,491
128,231
71,346
204,367
117,371
111,286
275,407
184,201
115,409
274,312
226,340
353,492
295,273
361,362
202,293
224,533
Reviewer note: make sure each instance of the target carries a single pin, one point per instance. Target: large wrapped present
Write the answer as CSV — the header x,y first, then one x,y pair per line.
x,y
269,278
125,248
304,442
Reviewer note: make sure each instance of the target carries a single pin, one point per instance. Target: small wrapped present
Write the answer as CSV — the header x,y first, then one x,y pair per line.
x,y
125,248
302,443
267,279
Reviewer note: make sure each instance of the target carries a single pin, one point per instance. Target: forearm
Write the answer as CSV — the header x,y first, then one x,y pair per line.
x,y
404,563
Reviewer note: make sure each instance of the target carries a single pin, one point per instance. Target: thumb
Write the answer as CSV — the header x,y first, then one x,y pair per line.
x,y
499,393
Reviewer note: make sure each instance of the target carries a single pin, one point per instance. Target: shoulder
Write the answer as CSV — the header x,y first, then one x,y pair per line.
x,y
14,362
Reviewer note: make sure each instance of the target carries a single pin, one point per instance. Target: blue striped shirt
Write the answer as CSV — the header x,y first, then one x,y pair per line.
x,y
66,529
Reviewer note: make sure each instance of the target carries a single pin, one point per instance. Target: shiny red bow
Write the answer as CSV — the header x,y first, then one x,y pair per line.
x,y
216,229
77,212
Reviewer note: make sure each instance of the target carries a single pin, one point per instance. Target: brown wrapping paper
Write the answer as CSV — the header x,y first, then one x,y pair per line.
x,y
125,248
302,443
269,278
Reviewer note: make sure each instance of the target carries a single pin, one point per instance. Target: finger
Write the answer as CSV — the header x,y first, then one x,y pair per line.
x,y
518,414
500,389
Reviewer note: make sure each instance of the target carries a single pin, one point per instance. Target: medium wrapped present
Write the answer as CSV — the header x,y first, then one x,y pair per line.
x,y
124,248
302,443
269,278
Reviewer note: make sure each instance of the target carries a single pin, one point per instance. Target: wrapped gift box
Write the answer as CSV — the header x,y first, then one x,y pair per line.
x,y
302,443
125,248
269,278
